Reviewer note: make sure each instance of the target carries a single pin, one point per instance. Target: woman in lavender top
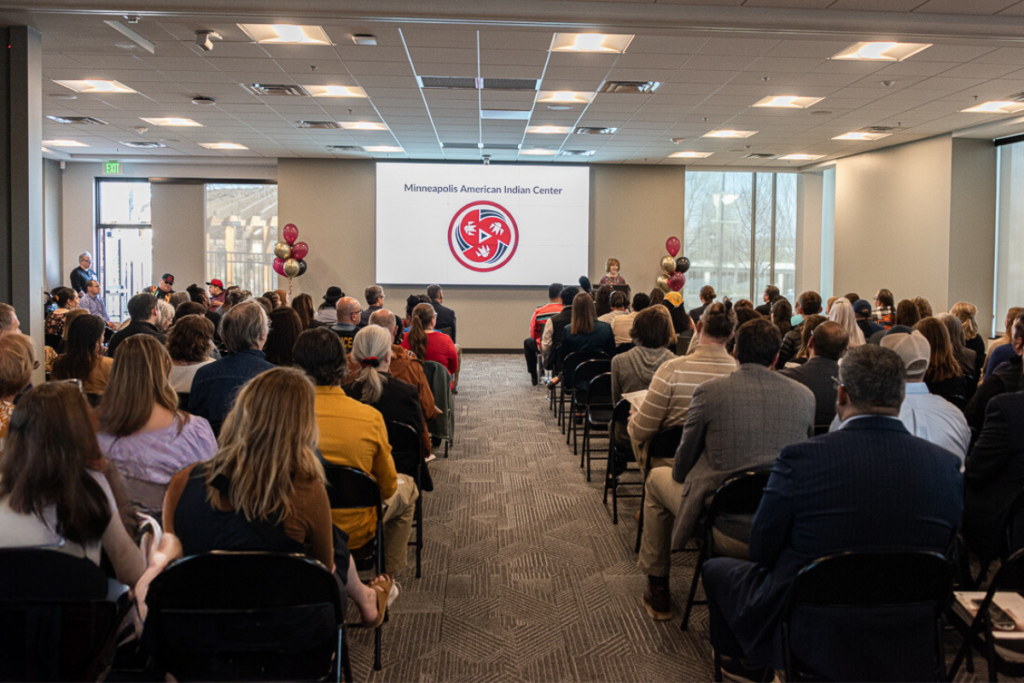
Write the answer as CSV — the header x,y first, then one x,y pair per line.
x,y
141,429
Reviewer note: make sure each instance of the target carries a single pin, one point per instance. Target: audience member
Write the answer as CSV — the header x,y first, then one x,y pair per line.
x,y
178,298
445,315
807,304
142,431
264,488
656,296
244,329
868,485
555,327
734,423
54,495
707,297
273,298
232,297
682,324
81,275
285,328
672,386
92,301
9,323
327,314
826,344
964,356
144,317
999,352
164,289
828,306
282,297
1004,379
945,377
426,342
602,301
586,335
738,316
354,434
411,302
771,293
189,344
374,301
907,314
862,310
585,285
967,314
541,314
349,314
266,303
842,313
67,300
634,369
806,329
885,308
216,293
166,311
782,315
852,297
68,319
198,295
83,357
17,361
303,305
186,309
924,308
622,325
618,302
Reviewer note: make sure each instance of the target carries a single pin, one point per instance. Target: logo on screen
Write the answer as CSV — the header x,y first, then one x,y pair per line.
x,y
483,236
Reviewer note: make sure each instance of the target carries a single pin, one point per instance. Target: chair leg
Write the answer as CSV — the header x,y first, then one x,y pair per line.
x,y
345,668
693,587
718,668
640,525
446,449
615,501
376,649
587,435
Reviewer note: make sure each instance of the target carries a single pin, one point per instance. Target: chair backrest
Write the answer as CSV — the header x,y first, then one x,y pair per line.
x,y
588,370
599,391
406,447
440,381
1015,525
183,400
56,622
821,429
665,443
739,495
244,615
574,360
349,487
445,330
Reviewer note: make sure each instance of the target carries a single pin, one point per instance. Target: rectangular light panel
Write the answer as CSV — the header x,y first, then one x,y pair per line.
x,y
286,34
95,86
881,51
590,42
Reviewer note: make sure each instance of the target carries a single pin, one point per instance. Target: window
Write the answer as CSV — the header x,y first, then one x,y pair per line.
x,y
241,230
1009,285
125,242
740,234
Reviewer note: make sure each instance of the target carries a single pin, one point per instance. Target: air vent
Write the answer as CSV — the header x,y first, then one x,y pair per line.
x,y
461,145
1019,97
760,155
585,130
821,112
501,146
268,90
320,125
449,82
879,129
78,120
579,152
511,84
349,149
146,144
630,87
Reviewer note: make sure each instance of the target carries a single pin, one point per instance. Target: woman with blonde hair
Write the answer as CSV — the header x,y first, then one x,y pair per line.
x,y
141,429
1002,349
842,313
429,344
264,488
967,314
586,334
166,315
83,357
944,377
17,361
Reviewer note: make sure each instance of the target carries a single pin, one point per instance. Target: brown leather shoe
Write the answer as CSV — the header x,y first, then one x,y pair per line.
x,y
657,600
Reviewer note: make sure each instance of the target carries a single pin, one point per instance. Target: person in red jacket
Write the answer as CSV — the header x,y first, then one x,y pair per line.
x,y
531,345
426,342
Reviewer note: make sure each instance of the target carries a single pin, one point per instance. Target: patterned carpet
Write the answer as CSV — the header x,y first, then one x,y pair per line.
x,y
524,576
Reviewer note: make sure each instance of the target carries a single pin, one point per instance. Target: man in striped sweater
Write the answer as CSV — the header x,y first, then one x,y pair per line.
x,y
668,399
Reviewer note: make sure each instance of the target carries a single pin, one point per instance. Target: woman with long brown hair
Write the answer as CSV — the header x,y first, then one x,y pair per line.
x,y
264,487
285,328
944,376
141,429
303,305
586,334
17,361
426,342
83,357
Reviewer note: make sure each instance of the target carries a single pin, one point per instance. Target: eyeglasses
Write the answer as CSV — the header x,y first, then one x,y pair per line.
x,y
836,383
76,382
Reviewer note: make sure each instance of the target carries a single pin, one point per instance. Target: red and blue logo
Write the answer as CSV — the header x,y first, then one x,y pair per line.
x,y
483,236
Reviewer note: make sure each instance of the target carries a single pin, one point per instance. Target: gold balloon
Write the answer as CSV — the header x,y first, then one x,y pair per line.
x,y
668,264
291,267
662,282
282,250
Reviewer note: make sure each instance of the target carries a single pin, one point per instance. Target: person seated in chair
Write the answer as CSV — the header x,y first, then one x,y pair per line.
x,y
532,344
737,422
349,315
826,346
554,329
869,485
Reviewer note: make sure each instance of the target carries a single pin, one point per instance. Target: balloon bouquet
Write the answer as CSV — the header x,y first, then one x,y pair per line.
x,y
673,275
289,255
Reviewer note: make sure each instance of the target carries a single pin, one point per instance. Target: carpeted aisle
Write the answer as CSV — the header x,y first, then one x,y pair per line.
x,y
524,576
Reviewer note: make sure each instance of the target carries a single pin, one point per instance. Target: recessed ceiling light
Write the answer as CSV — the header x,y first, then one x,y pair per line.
x,y
63,143
996,107
801,157
861,136
549,130
384,149
565,96
559,107
172,121
288,34
334,91
590,42
363,125
789,102
96,86
364,39
222,145
539,152
690,155
882,51
730,134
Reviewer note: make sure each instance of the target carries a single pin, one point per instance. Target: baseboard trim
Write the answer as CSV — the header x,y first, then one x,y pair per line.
x,y
519,351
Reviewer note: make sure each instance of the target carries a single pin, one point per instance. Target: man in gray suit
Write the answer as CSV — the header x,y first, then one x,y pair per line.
x,y
827,345
735,423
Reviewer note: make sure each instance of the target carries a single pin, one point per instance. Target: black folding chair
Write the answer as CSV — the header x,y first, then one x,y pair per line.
x,y
564,386
821,429
56,622
843,601
739,495
622,348
407,452
619,457
1001,655
350,488
585,371
447,331
663,445
183,400
229,616
597,414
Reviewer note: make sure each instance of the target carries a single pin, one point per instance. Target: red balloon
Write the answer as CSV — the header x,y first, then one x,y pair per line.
x,y
677,281
299,250
279,266
672,245
291,233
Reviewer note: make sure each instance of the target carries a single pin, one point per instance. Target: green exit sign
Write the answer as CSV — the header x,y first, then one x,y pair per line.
x,y
112,168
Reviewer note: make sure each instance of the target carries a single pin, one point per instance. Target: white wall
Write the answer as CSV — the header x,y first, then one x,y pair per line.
x,y
52,205
179,232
